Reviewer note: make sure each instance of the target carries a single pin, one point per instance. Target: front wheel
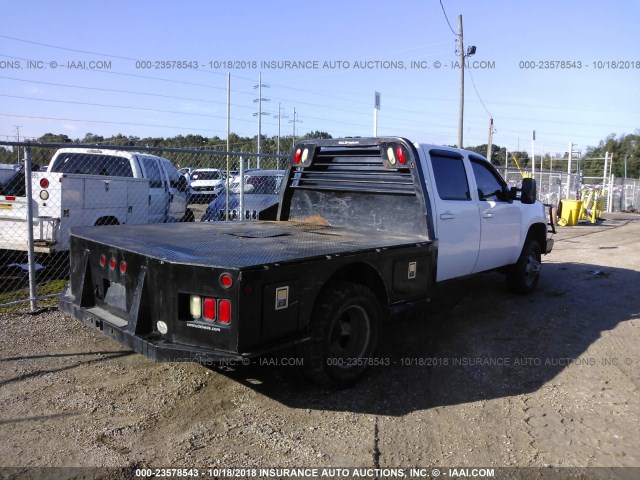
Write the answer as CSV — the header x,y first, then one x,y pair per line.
x,y
523,276
188,216
344,328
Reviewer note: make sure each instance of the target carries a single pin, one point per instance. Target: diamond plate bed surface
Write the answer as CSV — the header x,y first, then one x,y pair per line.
x,y
239,245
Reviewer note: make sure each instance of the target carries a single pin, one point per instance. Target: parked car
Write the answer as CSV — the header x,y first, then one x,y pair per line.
x,y
12,180
261,191
206,184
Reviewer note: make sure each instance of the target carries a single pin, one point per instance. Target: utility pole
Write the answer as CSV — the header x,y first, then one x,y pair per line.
x,y
259,101
226,190
294,121
490,144
461,112
470,51
279,116
17,147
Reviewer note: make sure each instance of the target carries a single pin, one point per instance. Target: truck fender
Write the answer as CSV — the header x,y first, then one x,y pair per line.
x,y
361,273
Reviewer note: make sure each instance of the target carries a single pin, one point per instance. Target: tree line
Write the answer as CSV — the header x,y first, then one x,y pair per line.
x,y
625,149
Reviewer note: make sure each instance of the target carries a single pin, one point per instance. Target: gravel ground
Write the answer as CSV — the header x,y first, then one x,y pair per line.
x,y
479,378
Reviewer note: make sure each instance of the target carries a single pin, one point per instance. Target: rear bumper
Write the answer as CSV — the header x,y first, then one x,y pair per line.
x,y
152,346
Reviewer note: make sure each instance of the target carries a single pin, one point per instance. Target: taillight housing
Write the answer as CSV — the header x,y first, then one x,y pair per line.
x,y
103,260
44,183
395,155
210,309
303,156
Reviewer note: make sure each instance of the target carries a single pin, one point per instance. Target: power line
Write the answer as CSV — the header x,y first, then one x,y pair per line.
x,y
447,19
112,106
67,49
113,90
477,93
107,122
146,77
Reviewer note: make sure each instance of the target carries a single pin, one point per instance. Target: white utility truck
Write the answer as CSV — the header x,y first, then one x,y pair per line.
x,y
88,187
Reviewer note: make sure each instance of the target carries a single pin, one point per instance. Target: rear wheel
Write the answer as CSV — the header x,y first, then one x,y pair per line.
x,y
523,276
344,334
107,221
188,216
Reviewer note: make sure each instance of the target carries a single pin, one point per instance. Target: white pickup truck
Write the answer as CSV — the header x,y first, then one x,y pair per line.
x,y
87,187
364,228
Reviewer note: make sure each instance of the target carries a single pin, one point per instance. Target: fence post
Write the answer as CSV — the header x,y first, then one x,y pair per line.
x,y
30,247
241,200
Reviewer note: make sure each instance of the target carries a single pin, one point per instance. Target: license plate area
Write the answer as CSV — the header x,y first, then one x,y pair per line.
x,y
115,295
111,296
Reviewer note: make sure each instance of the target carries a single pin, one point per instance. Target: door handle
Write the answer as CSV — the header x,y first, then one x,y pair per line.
x,y
488,215
447,216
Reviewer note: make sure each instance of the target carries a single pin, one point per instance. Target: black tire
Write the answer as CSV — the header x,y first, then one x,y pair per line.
x,y
523,276
188,216
344,330
107,221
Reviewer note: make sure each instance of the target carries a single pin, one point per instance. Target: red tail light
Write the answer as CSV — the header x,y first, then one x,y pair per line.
x,y
224,311
103,260
11,198
44,183
400,154
297,156
209,305
123,267
112,263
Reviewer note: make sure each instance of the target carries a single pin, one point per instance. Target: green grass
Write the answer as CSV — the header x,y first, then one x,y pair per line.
x,y
47,288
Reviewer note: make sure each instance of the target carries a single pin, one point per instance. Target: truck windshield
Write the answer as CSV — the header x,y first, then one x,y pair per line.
x,y
92,164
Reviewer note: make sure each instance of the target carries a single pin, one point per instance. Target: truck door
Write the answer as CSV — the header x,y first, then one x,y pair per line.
x,y
177,198
500,219
158,190
456,219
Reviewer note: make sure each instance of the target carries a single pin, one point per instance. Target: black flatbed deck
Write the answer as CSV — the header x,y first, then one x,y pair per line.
x,y
241,245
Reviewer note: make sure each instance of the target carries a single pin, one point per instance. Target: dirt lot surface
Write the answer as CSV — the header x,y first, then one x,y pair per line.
x,y
481,378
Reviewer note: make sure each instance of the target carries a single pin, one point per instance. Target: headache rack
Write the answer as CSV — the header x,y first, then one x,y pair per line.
x,y
359,169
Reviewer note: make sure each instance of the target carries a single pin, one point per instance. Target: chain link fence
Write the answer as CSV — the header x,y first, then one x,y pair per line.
x,y
72,185
56,187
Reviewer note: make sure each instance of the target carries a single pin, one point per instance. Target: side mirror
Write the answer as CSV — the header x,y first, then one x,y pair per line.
x,y
529,193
